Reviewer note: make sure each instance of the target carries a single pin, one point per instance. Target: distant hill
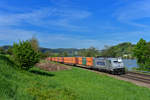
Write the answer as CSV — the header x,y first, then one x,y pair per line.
x,y
59,50
120,50
6,47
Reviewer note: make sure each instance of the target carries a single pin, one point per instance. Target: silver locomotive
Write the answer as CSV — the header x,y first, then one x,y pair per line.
x,y
111,65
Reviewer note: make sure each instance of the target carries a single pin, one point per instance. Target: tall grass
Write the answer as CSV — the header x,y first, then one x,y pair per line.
x,y
16,84
75,84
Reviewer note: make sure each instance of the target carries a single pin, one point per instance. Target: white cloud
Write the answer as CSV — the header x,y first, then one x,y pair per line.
x,y
49,40
133,11
64,41
60,17
55,40
9,34
46,17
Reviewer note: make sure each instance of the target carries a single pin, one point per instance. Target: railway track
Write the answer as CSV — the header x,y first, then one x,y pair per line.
x,y
139,77
139,74
130,75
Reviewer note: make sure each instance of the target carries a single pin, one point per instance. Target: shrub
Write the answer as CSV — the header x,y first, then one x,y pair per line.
x,y
2,51
45,54
24,55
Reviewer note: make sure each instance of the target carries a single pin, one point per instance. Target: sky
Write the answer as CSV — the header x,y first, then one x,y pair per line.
x,y
74,23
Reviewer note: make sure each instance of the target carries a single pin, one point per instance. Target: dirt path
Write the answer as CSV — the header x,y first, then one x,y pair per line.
x,y
50,66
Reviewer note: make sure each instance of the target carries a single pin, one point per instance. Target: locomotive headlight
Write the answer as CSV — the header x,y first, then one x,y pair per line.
x,y
119,60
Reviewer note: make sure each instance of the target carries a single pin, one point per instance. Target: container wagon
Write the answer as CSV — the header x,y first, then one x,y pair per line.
x,y
111,65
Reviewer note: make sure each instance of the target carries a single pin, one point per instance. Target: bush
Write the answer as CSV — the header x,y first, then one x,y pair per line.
x,y
2,51
24,55
45,54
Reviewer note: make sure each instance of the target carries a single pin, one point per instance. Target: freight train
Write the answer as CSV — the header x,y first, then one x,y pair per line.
x,y
111,65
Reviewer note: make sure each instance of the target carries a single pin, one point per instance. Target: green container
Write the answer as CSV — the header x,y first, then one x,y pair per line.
x,y
84,61
93,62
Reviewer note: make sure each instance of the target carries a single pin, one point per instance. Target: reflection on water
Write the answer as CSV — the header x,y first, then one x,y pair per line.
x,y
130,63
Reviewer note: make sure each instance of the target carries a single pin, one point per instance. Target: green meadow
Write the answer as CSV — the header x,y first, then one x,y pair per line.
x,y
74,84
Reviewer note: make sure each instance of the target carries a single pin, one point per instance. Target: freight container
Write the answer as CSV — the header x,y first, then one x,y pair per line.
x,y
89,61
57,59
66,60
50,58
84,61
71,60
74,60
79,60
53,59
61,59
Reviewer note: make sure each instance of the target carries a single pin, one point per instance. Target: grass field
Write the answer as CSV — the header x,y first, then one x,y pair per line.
x,y
74,84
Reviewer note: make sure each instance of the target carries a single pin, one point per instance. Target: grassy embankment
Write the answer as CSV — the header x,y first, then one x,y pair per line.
x,y
74,84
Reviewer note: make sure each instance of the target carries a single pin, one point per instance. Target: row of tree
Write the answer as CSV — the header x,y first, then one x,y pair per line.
x,y
90,52
26,53
120,50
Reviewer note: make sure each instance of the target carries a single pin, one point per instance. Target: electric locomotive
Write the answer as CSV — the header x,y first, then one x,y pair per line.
x,y
111,65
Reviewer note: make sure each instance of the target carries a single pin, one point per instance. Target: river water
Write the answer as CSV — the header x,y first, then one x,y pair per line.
x,y
130,63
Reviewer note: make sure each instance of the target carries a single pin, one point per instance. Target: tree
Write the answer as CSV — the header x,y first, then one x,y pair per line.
x,y
82,52
141,52
24,55
65,54
147,53
90,52
45,54
34,44
118,50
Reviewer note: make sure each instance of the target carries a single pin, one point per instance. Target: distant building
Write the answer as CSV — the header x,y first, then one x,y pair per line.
x,y
127,56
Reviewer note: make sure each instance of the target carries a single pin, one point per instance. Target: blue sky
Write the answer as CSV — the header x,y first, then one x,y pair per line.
x,y
74,23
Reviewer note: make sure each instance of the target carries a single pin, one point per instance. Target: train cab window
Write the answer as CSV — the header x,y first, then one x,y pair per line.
x,y
116,62
101,63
